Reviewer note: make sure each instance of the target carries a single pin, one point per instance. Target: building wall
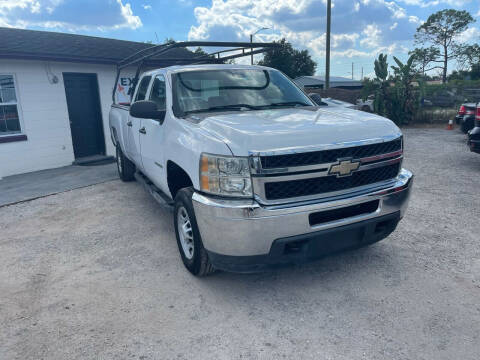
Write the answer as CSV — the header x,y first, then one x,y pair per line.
x,y
44,116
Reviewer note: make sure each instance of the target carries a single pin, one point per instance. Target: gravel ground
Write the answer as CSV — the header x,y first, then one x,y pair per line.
x,y
95,273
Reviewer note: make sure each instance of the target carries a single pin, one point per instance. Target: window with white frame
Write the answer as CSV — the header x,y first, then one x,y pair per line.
x,y
9,119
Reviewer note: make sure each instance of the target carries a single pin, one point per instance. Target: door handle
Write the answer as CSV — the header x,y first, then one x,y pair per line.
x,y
142,130
129,123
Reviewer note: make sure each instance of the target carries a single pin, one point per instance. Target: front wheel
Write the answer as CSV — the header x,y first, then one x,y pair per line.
x,y
194,255
126,168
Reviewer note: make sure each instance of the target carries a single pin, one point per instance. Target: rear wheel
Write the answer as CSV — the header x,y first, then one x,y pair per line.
x,y
194,255
126,168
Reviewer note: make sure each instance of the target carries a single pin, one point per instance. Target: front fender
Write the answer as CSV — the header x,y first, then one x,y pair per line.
x,y
185,143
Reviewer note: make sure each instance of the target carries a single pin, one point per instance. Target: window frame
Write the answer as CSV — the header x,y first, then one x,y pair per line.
x,y
146,90
150,89
19,136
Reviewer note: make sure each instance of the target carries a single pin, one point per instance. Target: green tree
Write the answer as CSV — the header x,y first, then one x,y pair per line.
x,y
403,101
381,67
441,30
468,56
423,57
291,61
381,73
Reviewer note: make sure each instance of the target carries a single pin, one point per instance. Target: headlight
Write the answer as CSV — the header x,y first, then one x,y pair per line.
x,y
225,175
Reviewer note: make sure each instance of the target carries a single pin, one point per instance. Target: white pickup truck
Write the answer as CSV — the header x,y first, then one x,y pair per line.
x,y
259,174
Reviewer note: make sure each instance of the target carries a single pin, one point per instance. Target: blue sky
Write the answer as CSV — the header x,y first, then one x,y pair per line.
x,y
361,28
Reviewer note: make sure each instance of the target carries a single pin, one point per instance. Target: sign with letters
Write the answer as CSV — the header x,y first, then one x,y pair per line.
x,y
123,86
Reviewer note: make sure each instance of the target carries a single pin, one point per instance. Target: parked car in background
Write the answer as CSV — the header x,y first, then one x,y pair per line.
x,y
366,105
335,102
317,99
466,116
474,134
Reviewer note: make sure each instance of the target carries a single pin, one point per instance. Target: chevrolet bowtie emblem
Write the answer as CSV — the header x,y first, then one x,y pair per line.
x,y
344,167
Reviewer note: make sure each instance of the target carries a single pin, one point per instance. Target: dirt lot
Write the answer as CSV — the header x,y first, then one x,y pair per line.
x,y
95,273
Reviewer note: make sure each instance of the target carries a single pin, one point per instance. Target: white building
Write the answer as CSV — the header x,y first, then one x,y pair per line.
x,y
55,96
318,82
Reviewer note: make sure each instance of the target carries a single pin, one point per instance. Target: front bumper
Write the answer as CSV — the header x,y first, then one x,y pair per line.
x,y
243,235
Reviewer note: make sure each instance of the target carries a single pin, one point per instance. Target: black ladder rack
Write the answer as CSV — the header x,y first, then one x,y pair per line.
x,y
150,57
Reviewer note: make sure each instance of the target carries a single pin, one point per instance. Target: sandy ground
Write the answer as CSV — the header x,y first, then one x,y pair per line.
x,y
95,273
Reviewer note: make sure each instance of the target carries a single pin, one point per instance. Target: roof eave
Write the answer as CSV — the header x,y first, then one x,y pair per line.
x,y
58,58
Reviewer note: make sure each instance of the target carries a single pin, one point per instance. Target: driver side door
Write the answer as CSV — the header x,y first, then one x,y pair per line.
x,y
135,126
152,140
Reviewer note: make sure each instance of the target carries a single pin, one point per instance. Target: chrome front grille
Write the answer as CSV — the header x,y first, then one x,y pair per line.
x,y
327,156
307,175
325,184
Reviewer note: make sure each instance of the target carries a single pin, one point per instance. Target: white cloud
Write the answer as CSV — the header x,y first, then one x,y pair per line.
x,y
147,7
7,5
470,35
68,15
424,4
362,28
372,36
131,21
397,11
414,20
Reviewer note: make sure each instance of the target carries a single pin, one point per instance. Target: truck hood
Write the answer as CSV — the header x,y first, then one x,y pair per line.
x,y
296,129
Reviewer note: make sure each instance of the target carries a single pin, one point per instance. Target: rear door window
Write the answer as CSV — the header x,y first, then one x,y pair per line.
x,y
142,88
158,92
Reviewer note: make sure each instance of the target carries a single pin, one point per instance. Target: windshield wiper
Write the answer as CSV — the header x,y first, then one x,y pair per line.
x,y
289,103
223,107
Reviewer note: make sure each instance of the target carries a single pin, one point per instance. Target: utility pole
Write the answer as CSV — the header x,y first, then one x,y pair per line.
x,y
362,75
327,60
352,70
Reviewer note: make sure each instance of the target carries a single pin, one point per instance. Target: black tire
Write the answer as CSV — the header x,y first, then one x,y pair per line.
x,y
126,168
464,127
197,262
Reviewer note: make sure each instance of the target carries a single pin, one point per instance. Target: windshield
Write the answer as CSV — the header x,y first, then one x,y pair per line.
x,y
234,90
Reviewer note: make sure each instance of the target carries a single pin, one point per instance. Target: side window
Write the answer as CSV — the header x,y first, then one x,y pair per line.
x,y
9,119
142,88
159,93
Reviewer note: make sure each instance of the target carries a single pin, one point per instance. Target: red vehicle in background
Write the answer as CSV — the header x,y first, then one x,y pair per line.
x,y
466,116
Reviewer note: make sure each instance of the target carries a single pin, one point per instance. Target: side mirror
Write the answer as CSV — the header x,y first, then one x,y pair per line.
x,y
316,98
146,109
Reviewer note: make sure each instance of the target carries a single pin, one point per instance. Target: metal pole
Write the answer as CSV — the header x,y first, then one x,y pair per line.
x,y
327,60
251,56
362,74
352,70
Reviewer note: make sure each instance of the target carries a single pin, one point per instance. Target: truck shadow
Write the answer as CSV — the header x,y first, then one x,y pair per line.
x,y
344,269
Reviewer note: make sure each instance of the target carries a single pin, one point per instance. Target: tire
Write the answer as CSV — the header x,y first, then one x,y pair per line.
x,y
190,245
464,127
126,168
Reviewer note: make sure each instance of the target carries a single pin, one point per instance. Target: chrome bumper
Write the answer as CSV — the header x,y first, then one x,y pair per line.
x,y
246,228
